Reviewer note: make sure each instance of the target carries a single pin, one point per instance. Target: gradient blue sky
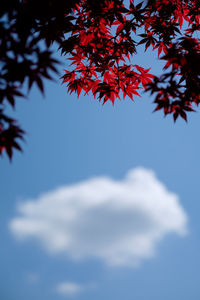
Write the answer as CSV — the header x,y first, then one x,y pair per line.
x,y
70,140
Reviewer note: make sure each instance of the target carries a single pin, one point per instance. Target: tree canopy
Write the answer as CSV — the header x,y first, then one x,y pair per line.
x,y
99,38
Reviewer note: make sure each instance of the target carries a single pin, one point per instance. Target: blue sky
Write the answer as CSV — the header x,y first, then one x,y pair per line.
x,y
75,144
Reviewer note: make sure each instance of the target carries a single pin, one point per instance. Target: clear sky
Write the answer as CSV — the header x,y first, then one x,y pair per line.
x,y
103,203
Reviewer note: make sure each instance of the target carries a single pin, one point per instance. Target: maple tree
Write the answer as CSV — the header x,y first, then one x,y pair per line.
x,y
100,38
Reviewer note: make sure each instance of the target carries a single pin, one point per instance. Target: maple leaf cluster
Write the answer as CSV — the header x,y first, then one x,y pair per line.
x,y
100,40
24,26
105,42
102,46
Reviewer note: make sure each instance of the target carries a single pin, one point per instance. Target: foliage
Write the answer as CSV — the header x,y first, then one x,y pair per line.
x,y
100,38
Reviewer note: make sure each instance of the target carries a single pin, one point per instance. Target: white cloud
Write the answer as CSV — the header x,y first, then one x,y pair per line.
x,y
119,222
68,288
